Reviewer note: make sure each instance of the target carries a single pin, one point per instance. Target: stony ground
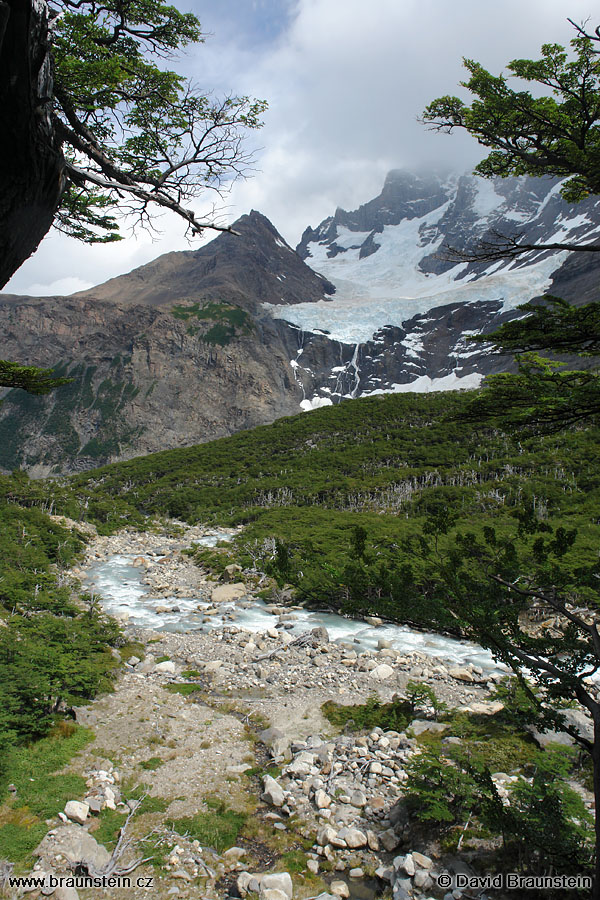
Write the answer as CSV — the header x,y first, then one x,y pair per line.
x,y
329,817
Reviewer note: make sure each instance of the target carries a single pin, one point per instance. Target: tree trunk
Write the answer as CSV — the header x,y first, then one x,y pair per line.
x,y
31,161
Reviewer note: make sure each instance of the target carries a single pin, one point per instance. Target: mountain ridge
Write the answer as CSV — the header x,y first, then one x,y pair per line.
x,y
202,343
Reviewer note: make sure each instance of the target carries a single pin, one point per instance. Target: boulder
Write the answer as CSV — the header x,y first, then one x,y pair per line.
x,y
278,881
322,800
212,665
340,889
382,672
353,838
226,593
325,835
165,668
302,763
389,840
77,811
76,845
461,675
231,572
276,741
272,793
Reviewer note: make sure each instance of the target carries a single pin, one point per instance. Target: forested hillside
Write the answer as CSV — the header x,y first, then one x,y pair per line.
x,y
330,499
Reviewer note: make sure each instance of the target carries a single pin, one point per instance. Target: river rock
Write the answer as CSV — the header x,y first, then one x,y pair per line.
x,y
461,674
382,672
226,593
340,889
422,861
165,668
302,764
231,572
322,799
389,840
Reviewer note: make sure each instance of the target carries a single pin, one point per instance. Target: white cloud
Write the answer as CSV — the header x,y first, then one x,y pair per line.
x,y
345,82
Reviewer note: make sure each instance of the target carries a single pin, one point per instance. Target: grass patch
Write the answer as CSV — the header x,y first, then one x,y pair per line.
x,y
132,648
17,842
372,714
183,687
107,832
153,763
40,794
218,827
29,769
500,746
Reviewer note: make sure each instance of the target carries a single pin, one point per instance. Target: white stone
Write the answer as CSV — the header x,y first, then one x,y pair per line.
x,y
273,793
353,838
408,865
340,889
382,672
325,835
280,881
77,811
322,799
167,667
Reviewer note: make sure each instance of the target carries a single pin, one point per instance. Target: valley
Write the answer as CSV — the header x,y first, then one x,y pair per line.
x,y
201,344
243,723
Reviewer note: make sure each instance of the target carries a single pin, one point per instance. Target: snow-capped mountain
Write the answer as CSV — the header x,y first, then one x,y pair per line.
x,y
400,295
202,343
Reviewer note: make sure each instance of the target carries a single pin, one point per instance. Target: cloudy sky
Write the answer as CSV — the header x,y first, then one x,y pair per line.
x,y
345,81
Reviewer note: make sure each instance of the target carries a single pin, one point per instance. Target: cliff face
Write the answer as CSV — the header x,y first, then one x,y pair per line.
x,y
176,353
143,380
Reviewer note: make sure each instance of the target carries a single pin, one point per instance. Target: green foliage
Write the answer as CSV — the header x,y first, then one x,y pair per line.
x,y
29,378
53,652
110,823
557,133
185,688
421,698
547,819
328,499
40,794
112,820
544,825
17,842
217,828
29,768
438,792
394,716
135,133
153,763
549,324
229,320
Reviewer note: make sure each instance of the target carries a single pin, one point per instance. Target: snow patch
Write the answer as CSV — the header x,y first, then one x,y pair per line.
x,y
315,403
424,384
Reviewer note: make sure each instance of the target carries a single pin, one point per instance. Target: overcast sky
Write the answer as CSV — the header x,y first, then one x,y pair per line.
x,y
345,81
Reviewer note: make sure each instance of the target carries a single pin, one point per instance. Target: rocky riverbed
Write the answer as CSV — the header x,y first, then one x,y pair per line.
x,y
198,718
